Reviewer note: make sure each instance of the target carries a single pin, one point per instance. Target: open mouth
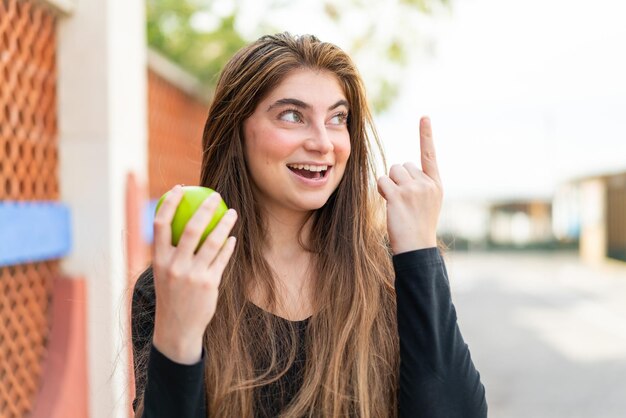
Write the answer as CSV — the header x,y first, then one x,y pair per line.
x,y
308,174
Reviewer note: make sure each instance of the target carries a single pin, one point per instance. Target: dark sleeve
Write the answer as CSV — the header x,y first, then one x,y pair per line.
x,y
437,375
169,389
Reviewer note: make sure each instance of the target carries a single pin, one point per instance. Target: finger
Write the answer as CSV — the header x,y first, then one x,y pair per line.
x,y
196,226
163,220
220,262
427,147
413,169
399,174
385,186
211,246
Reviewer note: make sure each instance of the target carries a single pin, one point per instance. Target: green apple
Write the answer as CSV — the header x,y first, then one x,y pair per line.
x,y
193,196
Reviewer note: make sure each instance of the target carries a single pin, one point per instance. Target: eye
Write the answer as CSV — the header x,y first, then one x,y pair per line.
x,y
291,115
339,119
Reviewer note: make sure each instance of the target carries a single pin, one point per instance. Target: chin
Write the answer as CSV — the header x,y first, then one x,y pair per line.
x,y
314,204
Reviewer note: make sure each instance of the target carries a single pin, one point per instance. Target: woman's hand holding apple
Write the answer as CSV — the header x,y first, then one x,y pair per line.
x,y
186,281
414,198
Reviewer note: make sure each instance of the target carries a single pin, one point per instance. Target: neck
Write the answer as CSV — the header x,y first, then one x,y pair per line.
x,y
284,228
290,262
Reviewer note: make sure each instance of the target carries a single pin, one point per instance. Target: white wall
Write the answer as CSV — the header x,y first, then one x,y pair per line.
x,y
102,137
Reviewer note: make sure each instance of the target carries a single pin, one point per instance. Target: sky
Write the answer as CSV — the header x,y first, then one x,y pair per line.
x,y
523,96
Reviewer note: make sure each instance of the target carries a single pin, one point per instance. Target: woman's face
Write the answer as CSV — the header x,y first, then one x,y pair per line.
x,y
298,129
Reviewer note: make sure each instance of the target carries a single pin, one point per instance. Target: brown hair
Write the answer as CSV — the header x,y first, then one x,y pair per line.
x,y
352,351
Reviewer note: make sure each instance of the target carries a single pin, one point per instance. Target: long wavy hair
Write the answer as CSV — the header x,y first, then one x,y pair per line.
x,y
352,350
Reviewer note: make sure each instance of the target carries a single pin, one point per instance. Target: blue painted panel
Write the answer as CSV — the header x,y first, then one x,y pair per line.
x,y
33,231
148,220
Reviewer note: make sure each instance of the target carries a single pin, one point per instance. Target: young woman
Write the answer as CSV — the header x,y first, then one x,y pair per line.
x,y
318,305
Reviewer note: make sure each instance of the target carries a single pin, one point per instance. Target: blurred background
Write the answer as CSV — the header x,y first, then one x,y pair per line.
x,y
102,106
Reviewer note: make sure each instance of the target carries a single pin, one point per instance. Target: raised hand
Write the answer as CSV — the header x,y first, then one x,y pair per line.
x,y
413,198
186,282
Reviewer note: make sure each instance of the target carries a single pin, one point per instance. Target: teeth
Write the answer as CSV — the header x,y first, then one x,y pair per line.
x,y
308,167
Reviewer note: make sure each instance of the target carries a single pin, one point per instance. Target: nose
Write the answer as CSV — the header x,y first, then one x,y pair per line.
x,y
319,140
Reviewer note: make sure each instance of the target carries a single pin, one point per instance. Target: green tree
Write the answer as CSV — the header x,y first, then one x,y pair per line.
x,y
173,32
201,35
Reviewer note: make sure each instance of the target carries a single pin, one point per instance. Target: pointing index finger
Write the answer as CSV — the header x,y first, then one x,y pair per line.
x,y
427,149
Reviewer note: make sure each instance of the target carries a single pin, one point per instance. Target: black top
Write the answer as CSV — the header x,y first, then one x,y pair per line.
x,y
437,375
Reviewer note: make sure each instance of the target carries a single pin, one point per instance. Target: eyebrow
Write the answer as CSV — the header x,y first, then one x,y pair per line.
x,y
302,105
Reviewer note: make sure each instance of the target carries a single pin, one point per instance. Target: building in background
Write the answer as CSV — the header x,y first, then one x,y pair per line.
x,y
616,216
594,209
521,224
178,105
92,127
587,214
464,224
31,277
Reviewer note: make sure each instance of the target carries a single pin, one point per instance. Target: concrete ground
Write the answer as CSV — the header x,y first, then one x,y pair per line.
x,y
547,333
